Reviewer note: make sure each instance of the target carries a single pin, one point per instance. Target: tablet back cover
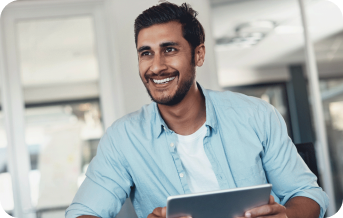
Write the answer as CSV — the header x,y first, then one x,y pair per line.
x,y
225,203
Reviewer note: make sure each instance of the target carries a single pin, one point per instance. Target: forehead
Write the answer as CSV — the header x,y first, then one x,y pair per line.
x,y
158,33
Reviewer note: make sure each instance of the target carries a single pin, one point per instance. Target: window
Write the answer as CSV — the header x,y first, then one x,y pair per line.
x,y
60,76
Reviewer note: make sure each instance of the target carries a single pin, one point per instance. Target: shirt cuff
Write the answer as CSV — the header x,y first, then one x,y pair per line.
x,y
316,194
93,199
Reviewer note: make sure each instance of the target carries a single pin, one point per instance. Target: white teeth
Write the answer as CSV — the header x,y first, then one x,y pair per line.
x,y
163,80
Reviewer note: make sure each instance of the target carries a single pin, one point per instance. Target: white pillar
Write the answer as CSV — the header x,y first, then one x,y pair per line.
x,y
318,115
17,152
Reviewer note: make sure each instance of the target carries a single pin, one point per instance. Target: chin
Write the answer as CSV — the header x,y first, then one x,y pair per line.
x,y
165,99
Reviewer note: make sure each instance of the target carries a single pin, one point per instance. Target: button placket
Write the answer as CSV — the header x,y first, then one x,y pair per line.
x,y
172,140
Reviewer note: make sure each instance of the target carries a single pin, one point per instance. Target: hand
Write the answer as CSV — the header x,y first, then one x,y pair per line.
x,y
160,212
271,210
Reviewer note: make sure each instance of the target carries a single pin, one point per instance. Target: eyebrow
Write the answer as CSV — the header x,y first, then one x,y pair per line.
x,y
166,44
162,45
143,48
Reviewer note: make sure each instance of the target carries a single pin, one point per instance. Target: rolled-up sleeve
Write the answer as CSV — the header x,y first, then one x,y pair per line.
x,y
284,167
107,183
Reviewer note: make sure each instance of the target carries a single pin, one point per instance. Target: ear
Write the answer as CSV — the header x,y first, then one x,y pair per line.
x,y
199,55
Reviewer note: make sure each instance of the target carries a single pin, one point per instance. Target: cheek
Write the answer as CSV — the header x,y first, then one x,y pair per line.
x,y
181,62
183,66
177,63
143,68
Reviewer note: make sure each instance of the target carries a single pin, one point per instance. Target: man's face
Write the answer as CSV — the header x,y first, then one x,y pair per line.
x,y
165,62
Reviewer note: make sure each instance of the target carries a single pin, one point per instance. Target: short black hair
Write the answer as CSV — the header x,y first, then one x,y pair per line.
x,y
165,12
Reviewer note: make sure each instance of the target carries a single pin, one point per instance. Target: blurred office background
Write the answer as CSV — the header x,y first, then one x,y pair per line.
x,y
68,69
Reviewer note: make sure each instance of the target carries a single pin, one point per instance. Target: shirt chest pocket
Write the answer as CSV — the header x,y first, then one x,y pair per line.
x,y
249,175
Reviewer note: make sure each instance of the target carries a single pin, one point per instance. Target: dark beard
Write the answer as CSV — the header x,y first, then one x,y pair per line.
x,y
179,95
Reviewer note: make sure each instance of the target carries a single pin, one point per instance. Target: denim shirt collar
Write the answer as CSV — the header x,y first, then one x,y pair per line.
x,y
211,119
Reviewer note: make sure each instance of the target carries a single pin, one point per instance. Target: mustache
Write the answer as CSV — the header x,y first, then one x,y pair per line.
x,y
163,74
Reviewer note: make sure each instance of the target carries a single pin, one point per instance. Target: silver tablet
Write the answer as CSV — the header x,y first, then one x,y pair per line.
x,y
227,203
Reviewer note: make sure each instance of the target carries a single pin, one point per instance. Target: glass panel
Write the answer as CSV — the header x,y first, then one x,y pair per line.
x,y
62,140
60,75
57,51
332,92
6,191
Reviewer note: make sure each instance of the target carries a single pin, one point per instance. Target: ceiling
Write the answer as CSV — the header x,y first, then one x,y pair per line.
x,y
284,45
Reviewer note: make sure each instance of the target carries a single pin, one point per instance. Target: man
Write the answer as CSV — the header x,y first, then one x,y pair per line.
x,y
191,139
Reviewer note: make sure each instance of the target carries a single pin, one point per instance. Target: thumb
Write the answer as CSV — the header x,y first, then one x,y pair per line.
x,y
164,212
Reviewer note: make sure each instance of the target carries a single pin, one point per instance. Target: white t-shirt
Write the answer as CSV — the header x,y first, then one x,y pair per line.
x,y
198,169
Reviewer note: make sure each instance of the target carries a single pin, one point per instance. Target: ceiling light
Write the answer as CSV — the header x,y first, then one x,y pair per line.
x,y
247,34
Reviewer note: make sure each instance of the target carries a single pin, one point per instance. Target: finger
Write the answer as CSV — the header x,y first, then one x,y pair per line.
x,y
157,211
271,199
164,212
261,211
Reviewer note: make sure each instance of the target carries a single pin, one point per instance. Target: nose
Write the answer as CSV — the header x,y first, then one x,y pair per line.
x,y
158,64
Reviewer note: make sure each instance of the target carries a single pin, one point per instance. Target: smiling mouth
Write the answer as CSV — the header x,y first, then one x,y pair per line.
x,y
163,81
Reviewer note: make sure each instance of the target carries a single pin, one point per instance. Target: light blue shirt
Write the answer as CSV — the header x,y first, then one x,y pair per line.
x,y
246,142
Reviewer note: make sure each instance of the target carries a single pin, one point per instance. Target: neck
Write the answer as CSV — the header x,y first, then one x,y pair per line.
x,y
187,116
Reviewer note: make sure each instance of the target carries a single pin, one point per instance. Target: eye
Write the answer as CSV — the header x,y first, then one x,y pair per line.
x,y
170,49
146,53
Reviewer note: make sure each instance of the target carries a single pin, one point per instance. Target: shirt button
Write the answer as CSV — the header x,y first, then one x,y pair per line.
x,y
171,144
164,128
181,175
